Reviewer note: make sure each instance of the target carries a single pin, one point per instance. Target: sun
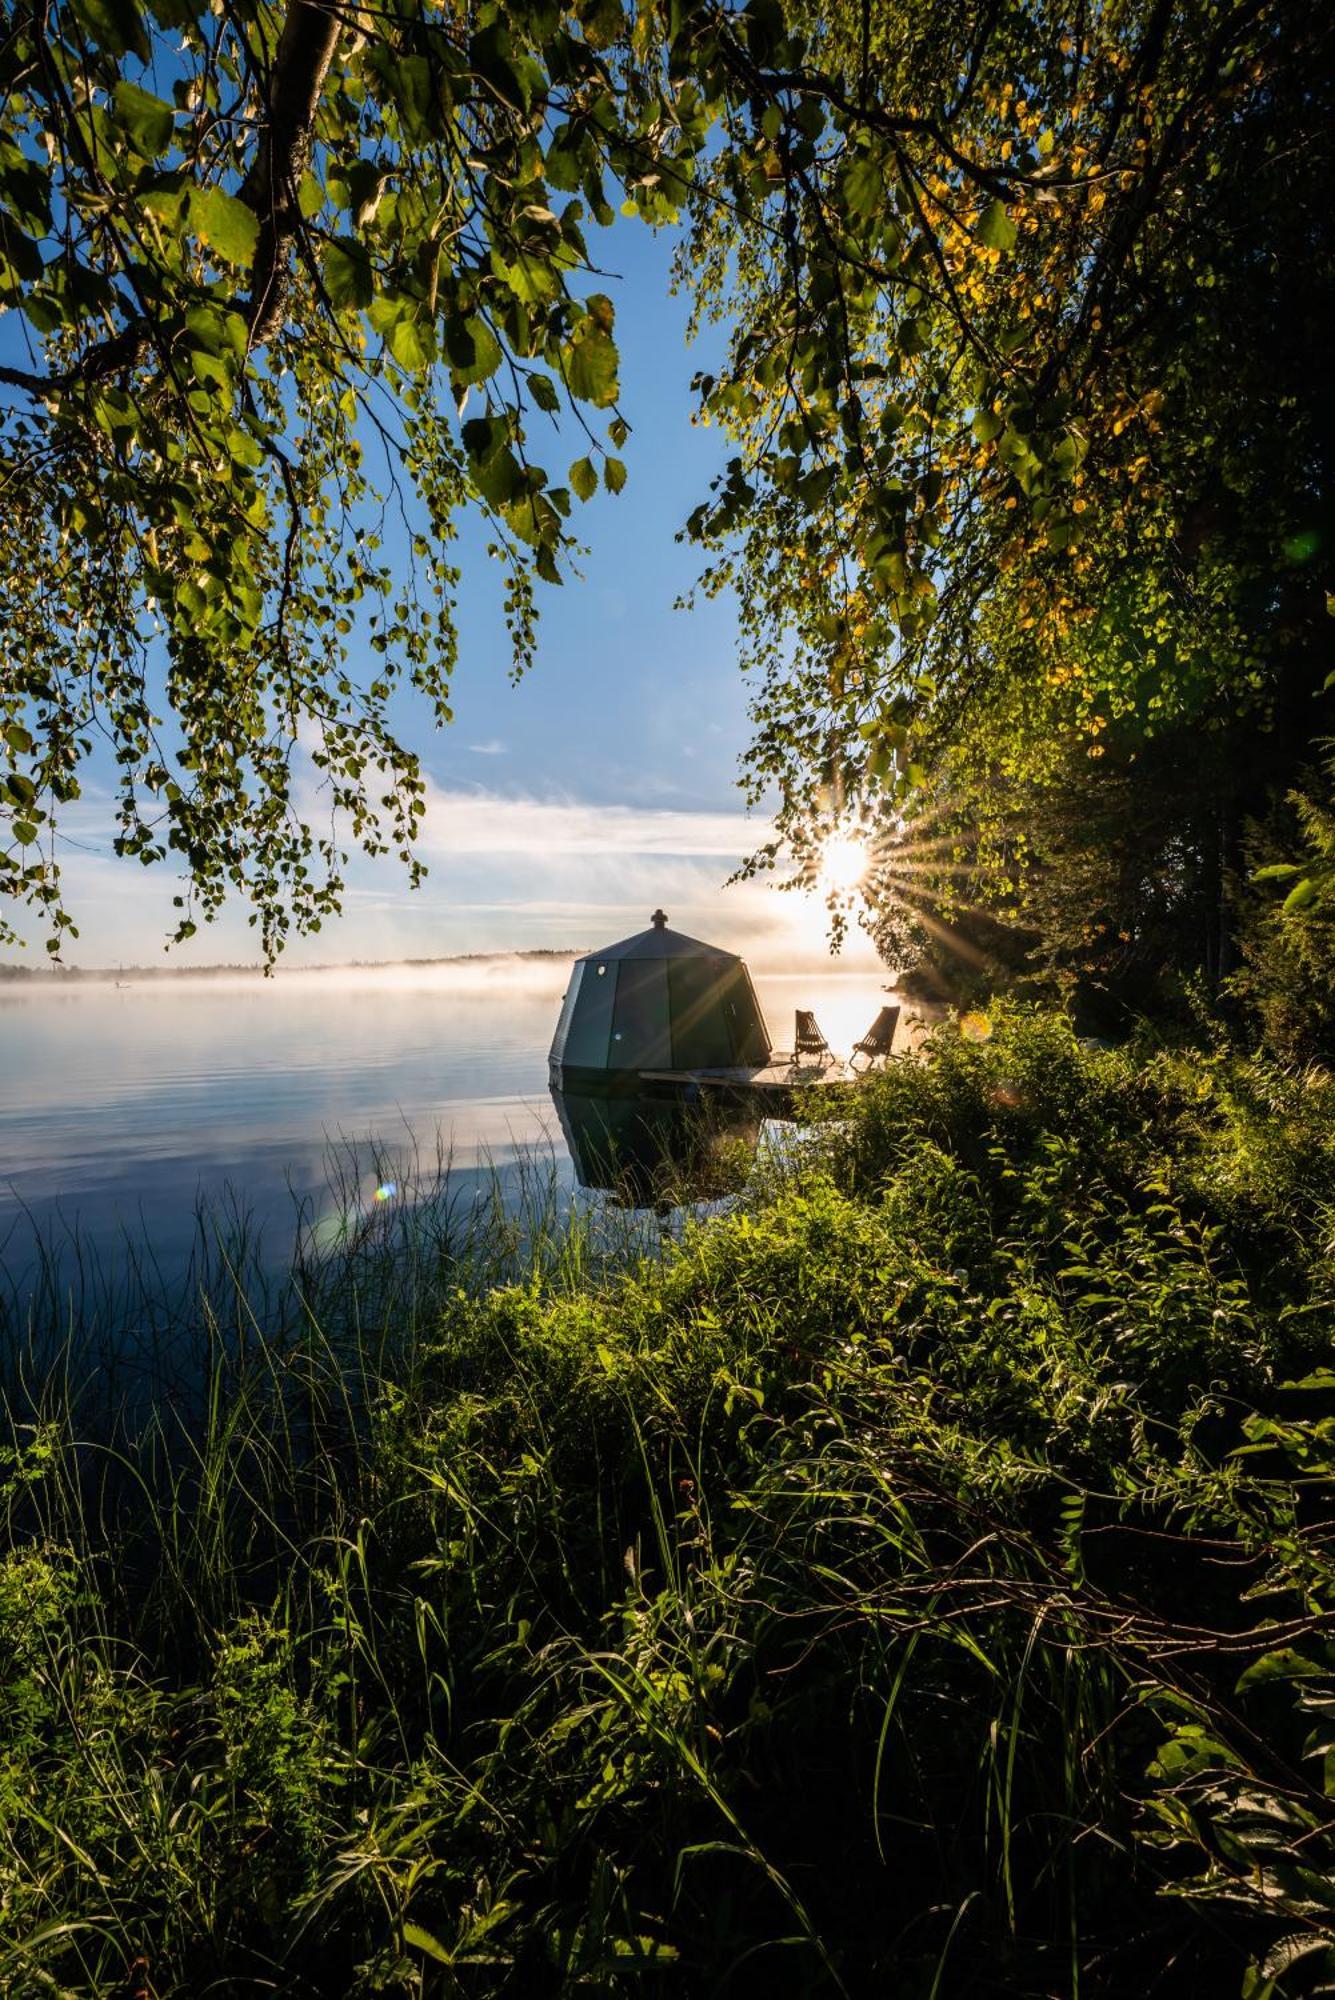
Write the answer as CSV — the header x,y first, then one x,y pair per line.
x,y
844,861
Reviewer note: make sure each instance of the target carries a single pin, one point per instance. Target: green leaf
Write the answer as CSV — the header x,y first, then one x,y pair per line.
x,y
544,393
226,224
207,327
995,227
484,435
43,313
177,13
764,23
1299,896
531,516
18,253
513,76
566,159
601,21
864,185
1276,871
473,350
347,275
410,344
497,473
422,1940
1284,1664
591,367
146,121
243,448
25,192
166,202
361,191
115,25
614,474
208,368
583,478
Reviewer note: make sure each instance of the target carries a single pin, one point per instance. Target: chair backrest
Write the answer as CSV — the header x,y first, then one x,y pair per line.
x,y
807,1037
880,1036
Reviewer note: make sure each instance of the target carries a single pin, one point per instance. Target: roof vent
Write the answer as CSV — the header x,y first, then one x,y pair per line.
x,y
658,920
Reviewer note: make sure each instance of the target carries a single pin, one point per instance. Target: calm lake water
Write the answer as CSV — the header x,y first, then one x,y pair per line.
x,y
122,1108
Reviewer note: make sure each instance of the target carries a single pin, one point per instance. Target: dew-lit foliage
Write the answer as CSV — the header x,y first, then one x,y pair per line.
x,y
915,1576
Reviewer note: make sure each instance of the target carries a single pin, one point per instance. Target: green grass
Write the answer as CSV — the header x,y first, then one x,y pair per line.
x,y
916,1580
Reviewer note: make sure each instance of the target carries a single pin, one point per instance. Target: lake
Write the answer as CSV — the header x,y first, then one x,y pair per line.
x,y
122,1108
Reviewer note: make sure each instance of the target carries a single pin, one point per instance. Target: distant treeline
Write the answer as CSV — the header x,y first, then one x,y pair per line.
x,y
65,974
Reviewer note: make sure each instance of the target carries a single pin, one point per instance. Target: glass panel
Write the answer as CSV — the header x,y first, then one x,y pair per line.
x,y
700,1037
568,998
745,1028
753,1043
640,1038
591,1021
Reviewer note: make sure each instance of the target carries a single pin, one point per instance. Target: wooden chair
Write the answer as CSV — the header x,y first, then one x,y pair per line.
x,y
879,1039
808,1043
808,1039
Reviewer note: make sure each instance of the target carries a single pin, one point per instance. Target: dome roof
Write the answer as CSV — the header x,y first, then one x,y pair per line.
x,y
658,942
658,1000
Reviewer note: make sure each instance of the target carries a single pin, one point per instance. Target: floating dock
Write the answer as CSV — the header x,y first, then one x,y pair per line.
x,y
771,1088
665,1017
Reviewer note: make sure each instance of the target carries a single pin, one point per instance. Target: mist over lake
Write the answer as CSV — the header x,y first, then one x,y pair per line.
x,y
123,1108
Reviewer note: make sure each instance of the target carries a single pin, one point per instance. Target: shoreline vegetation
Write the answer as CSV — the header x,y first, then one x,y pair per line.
x,y
916,1577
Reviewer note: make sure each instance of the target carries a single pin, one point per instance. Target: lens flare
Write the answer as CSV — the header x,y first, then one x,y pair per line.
x,y
386,1191
975,1027
843,864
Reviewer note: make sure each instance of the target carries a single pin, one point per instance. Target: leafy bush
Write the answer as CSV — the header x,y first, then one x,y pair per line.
x,y
914,1579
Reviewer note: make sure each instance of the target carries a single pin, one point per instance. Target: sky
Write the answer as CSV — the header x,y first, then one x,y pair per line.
x,y
564,810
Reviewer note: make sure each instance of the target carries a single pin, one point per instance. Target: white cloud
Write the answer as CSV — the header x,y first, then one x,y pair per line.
x,y
493,747
506,873
480,822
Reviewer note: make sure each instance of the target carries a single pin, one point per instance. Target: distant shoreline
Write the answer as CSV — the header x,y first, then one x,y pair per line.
x,y
64,975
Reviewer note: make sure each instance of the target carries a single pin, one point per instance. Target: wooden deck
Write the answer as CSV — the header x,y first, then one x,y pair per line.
x,y
772,1087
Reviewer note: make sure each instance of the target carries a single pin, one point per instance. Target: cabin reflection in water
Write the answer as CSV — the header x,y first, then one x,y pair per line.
x,y
653,1152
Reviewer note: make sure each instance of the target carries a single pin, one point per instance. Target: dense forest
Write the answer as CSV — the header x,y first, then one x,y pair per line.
x,y
913,1575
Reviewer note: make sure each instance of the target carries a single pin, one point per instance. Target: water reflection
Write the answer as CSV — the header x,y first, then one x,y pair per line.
x,y
650,1152
126,1114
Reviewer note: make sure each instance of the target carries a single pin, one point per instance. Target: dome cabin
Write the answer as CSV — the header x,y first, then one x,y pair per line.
x,y
657,1001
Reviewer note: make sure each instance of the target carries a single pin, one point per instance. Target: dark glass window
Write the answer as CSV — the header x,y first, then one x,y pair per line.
x,y
640,1038
591,1022
700,1037
742,1011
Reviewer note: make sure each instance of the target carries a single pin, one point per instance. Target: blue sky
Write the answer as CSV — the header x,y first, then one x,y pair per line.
x,y
561,811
